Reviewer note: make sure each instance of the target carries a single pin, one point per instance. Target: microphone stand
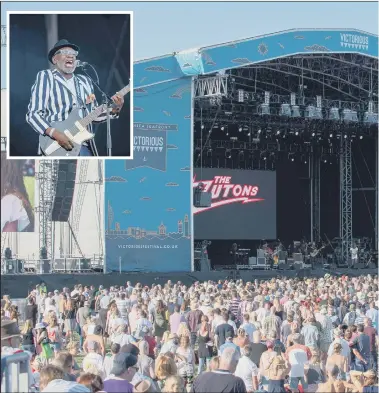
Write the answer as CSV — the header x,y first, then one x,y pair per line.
x,y
106,101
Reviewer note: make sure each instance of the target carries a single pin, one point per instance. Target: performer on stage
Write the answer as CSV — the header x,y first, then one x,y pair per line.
x,y
354,254
56,93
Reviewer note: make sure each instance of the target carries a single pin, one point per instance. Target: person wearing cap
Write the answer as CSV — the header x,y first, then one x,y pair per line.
x,y
122,373
55,93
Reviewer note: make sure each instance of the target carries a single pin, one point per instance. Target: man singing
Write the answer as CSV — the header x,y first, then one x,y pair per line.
x,y
57,92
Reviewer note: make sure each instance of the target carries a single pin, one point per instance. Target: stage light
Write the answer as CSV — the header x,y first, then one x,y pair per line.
x,y
330,135
259,131
313,134
361,137
295,111
349,115
249,133
310,112
222,128
241,95
334,114
345,136
202,126
297,133
265,109
370,117
240,129
227,133
278,132
285,110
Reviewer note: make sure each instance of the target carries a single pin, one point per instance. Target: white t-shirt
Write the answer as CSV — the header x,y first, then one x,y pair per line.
x,y
298,359
12,210
354,252
246,369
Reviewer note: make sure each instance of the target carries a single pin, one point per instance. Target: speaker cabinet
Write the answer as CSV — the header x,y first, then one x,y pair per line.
x,y
64,190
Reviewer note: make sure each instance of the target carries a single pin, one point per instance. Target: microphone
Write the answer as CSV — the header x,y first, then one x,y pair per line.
x,y
81,63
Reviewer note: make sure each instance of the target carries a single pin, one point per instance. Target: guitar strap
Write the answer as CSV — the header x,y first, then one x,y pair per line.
x,y
92,145
78,97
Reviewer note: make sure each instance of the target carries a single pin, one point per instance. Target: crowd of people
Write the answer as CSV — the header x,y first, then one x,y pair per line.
x,y
276,336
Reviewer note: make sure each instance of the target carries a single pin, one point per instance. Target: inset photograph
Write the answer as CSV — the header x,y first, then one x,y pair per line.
x,y
70,84
17,195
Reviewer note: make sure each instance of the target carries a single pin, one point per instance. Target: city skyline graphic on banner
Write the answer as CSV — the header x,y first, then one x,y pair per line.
x,y
114,228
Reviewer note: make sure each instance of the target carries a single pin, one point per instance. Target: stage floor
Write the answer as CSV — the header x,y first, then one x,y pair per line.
x,y
18,286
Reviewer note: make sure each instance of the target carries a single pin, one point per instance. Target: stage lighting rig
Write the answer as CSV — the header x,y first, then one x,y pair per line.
x,y
334,114
285,110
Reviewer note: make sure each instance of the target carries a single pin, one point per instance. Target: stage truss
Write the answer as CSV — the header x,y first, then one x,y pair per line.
x,y
313,104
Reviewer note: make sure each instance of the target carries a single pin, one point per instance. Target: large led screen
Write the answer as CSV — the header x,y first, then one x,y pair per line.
x,y
243,204
17,195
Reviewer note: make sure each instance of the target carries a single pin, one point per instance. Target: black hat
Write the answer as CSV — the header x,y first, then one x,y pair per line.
x,y
122,361
61,44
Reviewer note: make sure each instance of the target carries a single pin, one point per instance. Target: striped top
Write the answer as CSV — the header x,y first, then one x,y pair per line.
x,y
52,100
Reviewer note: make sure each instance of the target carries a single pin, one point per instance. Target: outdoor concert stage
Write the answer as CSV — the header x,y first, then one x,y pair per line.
x,y
17,286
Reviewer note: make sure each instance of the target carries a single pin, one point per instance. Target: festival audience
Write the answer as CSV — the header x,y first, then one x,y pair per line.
x,y
276,336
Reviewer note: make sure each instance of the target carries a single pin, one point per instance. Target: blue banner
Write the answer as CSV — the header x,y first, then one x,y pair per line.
x,y
148,199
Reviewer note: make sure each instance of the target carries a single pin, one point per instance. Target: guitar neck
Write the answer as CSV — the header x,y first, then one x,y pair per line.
x,y
93,115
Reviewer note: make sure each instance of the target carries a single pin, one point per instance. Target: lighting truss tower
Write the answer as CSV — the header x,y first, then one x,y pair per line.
x,y
315,160
80,197
346,206
47,178
211,86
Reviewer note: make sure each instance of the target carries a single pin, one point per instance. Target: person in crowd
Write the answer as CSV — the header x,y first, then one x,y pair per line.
x,y
65,361
146,365
194,320
122,373
247,326
205,343
372,333
52,380
93,361
27,343
185,359
97,336
242,338
174,384
92,381
247,370
222,379
165,367
175,319
337,359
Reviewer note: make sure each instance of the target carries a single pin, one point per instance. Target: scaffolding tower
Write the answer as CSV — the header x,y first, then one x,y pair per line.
x,y
46,177
346,200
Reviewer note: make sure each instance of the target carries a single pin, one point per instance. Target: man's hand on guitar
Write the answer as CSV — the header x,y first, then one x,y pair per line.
x,y
61,138
118,99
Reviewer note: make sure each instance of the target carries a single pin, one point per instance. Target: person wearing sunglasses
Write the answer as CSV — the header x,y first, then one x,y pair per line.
x,y
57,92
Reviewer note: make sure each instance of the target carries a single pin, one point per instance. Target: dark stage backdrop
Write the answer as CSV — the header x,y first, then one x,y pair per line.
x,y
97,36
243,204
293,203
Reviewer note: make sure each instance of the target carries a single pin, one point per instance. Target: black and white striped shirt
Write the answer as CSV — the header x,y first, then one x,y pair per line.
x,y
52,101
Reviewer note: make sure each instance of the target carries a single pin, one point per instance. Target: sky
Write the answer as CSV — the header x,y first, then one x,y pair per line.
x,y
164,27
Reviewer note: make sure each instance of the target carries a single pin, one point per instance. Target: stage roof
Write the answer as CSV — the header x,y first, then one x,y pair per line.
x,y
240,53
